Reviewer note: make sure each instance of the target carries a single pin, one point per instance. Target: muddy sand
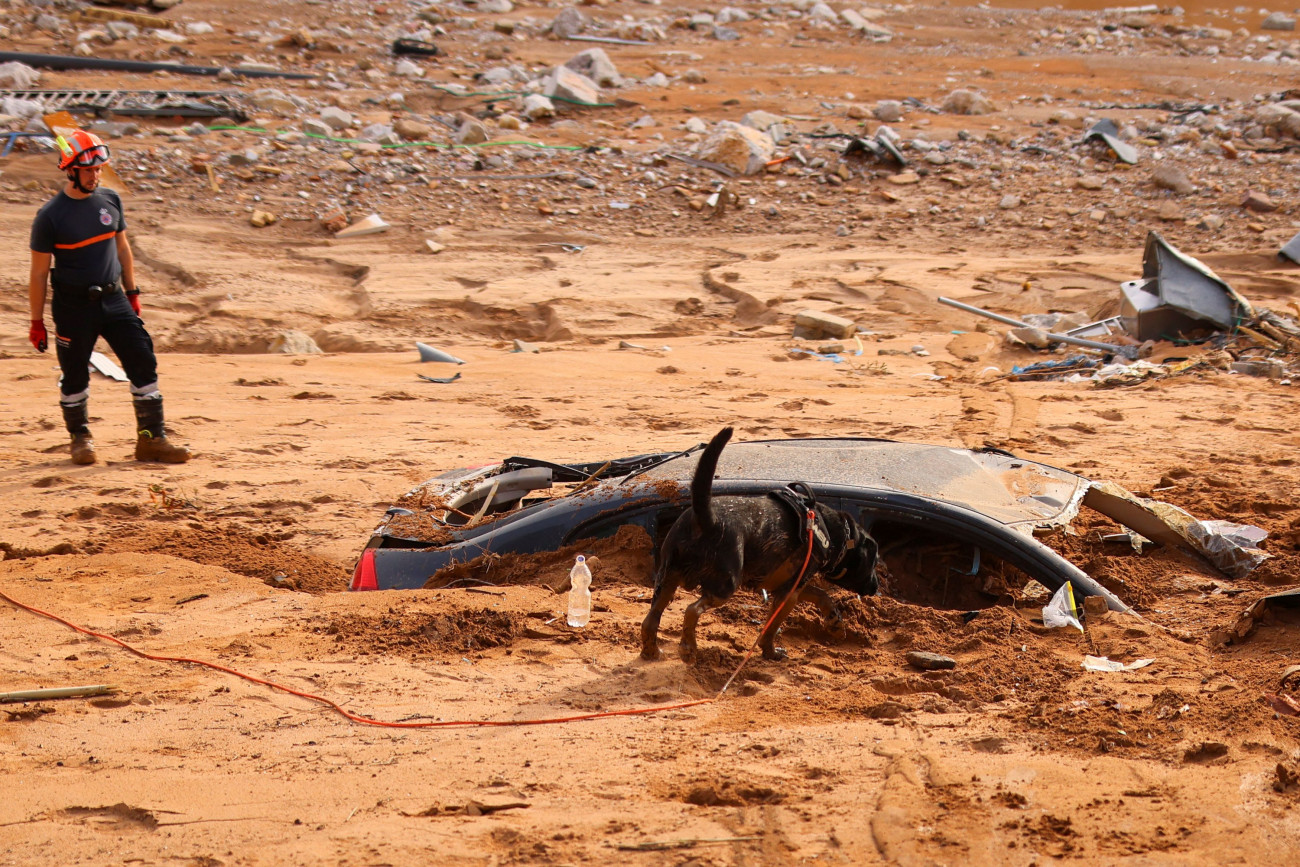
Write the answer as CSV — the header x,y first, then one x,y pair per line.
x,y
843,753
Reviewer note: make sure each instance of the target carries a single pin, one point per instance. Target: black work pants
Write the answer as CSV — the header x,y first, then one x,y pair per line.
x,y
79,321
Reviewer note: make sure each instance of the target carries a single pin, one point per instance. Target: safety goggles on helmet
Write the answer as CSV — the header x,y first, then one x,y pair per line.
x,y
82,150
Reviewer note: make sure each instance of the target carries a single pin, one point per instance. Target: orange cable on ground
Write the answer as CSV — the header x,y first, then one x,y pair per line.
x,y
365,720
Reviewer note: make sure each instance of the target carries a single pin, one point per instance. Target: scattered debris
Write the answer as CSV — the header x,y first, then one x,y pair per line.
x,y
1101,663
133,103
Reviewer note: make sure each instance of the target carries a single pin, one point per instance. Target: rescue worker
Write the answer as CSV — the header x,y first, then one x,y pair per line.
x,y
79,245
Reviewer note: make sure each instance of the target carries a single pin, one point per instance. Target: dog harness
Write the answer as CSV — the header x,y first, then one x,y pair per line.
x,y
799,497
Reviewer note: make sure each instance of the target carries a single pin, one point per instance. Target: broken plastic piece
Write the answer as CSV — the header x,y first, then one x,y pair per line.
x,y
428,353
1101,663
1106,131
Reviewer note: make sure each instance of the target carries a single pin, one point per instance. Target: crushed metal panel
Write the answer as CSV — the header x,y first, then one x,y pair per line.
x,y
1106,131
1183,284
1291,250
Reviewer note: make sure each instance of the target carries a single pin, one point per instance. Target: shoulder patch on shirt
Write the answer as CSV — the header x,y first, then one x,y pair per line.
x,y
105,217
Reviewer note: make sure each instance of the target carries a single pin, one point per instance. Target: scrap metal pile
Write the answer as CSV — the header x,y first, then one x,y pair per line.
x,y
1177,299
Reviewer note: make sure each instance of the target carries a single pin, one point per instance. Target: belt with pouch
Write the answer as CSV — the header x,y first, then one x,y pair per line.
x,y
88,293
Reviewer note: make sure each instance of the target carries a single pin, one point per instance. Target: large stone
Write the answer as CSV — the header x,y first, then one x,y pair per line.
x,y
763,120
294,343
1169,177
888,111
742,148
472,131
1278,21
818,323
570,22
595,64
277,101
537,107
17,76
1279,119
962,101
336,118
572,87
412,130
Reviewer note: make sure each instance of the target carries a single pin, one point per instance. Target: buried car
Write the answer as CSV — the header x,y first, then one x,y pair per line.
x,y
955,526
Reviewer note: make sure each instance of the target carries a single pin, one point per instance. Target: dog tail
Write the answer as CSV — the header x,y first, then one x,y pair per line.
x,y
702,483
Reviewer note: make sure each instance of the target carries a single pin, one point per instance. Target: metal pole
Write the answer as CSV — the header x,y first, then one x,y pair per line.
x,y
1129,352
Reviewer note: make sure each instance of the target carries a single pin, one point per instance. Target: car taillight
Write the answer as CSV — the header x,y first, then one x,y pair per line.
x,y
363,577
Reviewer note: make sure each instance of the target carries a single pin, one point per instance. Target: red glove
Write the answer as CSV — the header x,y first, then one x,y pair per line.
x,y
37,335
133,297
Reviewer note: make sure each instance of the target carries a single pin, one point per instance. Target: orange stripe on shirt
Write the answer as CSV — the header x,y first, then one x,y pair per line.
x,y
85,243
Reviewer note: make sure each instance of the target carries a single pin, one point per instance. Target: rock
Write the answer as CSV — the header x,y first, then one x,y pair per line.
x,y
595,64
496,7
726,34
1278,21
1211,222
510,122
407,69
1032,337
962,101
1170,212
17,76
259,219
278,102
929,661
696,125
656,80
1278,119
569,86
742,148
537,107
816,323
1169,177
336,118
1090,182
1009,202
294,343
903,179
312,126
762,120
412,130
570,22
433,246
888,111
1258,202
472,131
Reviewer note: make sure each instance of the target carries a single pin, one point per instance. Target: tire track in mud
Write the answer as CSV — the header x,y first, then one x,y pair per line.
x,y
995,416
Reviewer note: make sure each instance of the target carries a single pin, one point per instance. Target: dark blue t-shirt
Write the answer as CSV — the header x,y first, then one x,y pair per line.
x,y
82,235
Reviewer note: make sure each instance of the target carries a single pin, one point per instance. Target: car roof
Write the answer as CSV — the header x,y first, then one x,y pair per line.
x,y
999,485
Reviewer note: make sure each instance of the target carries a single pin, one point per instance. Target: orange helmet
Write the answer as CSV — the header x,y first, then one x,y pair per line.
x,y
81,150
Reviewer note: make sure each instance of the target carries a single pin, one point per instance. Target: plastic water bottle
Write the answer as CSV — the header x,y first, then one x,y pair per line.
x,y
579,593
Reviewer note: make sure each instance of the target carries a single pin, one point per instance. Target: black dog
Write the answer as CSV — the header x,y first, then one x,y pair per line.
x,y
723,544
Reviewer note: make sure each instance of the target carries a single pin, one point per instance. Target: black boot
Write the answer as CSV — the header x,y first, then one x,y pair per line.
x,y
76,420
152,444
